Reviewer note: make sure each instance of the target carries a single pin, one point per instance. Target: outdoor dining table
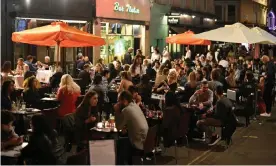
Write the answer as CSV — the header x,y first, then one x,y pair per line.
x,y
44,76
104,131
23,117
160,98
53,99
18,81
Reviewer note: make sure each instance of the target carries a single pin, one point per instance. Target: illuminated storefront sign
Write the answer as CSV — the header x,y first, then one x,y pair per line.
x,y
135,10
127,8
173,20
271,21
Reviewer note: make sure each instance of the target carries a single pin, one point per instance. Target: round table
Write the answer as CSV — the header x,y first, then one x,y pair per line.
x,y
44,75
18,80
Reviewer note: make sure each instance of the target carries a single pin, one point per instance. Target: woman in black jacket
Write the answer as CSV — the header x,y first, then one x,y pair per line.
x,y
171,118
86,117
43,147
30,94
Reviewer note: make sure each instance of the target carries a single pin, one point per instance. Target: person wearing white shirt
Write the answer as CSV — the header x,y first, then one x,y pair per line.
x,y
155,56
217,55
209,56
188,53
156,66
224,63
166,55
115,60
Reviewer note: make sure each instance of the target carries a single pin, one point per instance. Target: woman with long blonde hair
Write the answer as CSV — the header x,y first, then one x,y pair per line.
x,y
192,80
68,93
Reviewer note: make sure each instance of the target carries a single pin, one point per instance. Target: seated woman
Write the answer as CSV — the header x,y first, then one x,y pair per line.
x,y
125,82
30,94
113,72
6,70
171,118
86,117
100,88
161,76
145,89
168,85
136,97
190,87
8,136
56,78
68,94
6,93
230,79
43,147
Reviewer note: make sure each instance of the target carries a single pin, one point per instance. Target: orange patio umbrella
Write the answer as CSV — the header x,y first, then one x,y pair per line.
x,y
187,38
57,33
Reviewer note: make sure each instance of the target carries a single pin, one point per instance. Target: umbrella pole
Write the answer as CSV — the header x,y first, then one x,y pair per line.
x,y
58,52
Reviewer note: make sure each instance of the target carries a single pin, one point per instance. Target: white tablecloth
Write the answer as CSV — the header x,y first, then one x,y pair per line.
x,y
44,75
19,80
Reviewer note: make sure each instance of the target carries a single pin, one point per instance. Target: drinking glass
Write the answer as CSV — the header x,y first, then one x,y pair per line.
x,y
23,106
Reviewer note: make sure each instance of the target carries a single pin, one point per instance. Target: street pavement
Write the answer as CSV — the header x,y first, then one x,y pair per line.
x,y
253,145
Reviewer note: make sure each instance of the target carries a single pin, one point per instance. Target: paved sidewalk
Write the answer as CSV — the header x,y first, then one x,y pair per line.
x,y
254,145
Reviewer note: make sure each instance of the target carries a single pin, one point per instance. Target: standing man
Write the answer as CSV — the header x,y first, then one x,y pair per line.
x,y
268,85
127,56
188,53
166,55
84,75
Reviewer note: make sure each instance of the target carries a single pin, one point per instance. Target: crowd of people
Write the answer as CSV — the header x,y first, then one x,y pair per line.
x,y
200,81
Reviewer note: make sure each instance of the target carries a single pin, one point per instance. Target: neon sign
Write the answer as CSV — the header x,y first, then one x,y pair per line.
x,y
271,21
128,8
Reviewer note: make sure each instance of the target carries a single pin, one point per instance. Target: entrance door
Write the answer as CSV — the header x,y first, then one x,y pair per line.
x,y
136,44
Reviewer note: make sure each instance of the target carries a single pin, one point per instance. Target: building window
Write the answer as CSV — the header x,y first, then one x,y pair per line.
x,y
194,4
218,12
205,5
183,4
231,13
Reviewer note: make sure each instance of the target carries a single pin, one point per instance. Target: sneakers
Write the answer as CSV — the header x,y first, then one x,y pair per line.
x,y
214,140
201,139
158,149
265,114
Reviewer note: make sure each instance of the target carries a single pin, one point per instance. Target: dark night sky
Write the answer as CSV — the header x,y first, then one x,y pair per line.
x,y
273,4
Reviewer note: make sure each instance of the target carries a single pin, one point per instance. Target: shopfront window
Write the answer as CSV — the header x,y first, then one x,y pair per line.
x,y
119,37
231,13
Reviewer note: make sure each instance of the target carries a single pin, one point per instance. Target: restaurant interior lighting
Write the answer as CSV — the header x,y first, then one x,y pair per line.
x,y
193,16
185,15
216,20
46,19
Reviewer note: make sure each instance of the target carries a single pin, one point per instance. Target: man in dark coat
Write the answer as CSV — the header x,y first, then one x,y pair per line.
x,y
127,56
268,85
